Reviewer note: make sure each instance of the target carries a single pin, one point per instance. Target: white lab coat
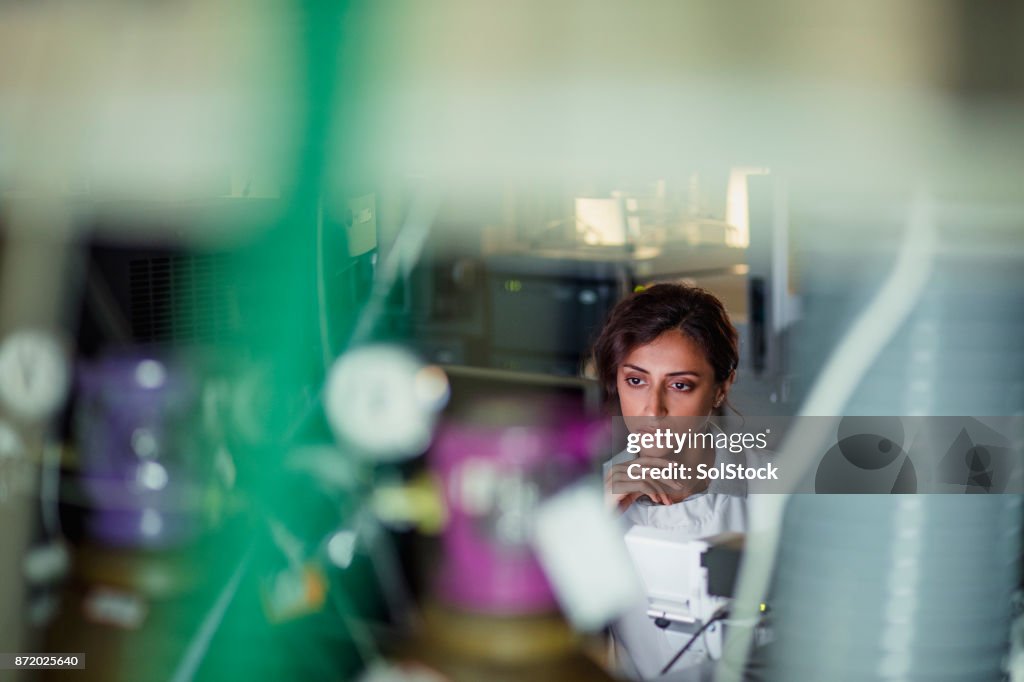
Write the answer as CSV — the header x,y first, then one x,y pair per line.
x,y
641,648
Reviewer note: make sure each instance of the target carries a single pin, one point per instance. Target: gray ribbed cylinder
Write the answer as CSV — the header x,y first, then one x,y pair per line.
x,y
895,587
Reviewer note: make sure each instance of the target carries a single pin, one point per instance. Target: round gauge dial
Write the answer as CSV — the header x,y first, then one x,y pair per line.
x,y
384,400
33,373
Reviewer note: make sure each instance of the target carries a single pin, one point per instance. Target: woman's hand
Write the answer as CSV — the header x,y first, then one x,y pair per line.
x,y
621,490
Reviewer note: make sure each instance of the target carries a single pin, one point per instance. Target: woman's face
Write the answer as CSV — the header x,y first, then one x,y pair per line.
x,y
668,377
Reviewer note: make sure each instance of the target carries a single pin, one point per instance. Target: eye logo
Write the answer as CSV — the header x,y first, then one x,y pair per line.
x,y
868,457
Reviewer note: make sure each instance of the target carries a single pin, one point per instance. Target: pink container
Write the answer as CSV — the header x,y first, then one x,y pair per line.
x,y
494,478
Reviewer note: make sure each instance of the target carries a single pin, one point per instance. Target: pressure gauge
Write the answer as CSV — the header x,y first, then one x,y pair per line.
x,y
384,400
33,373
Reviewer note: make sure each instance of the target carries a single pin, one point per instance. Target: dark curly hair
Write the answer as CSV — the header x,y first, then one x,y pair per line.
x,y
643,316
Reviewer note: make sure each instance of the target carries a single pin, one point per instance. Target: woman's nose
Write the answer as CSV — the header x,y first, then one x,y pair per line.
x,y
656,405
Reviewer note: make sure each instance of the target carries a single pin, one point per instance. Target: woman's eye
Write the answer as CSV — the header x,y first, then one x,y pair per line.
x,y
634,381
680,386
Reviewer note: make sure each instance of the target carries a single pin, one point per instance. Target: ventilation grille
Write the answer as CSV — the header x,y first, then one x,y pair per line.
x,y
186,298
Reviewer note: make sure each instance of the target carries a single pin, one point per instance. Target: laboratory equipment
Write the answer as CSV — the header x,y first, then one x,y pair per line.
x,y
874,587
495,471
895,587
546,306
688,586
33,373
142,468
384,401
506,444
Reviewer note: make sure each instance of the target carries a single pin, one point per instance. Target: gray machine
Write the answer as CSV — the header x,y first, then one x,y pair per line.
x,y
546,307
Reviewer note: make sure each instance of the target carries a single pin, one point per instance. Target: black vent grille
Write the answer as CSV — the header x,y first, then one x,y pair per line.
x,y
182,298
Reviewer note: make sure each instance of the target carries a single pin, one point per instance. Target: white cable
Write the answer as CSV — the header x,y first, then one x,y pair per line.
x,y
197,648
851,359
400,261
321,287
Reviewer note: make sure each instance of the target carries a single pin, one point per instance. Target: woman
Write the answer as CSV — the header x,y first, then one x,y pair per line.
x,y
667,352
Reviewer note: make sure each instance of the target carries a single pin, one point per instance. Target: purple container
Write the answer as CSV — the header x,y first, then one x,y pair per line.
x,y
137,427
494,477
